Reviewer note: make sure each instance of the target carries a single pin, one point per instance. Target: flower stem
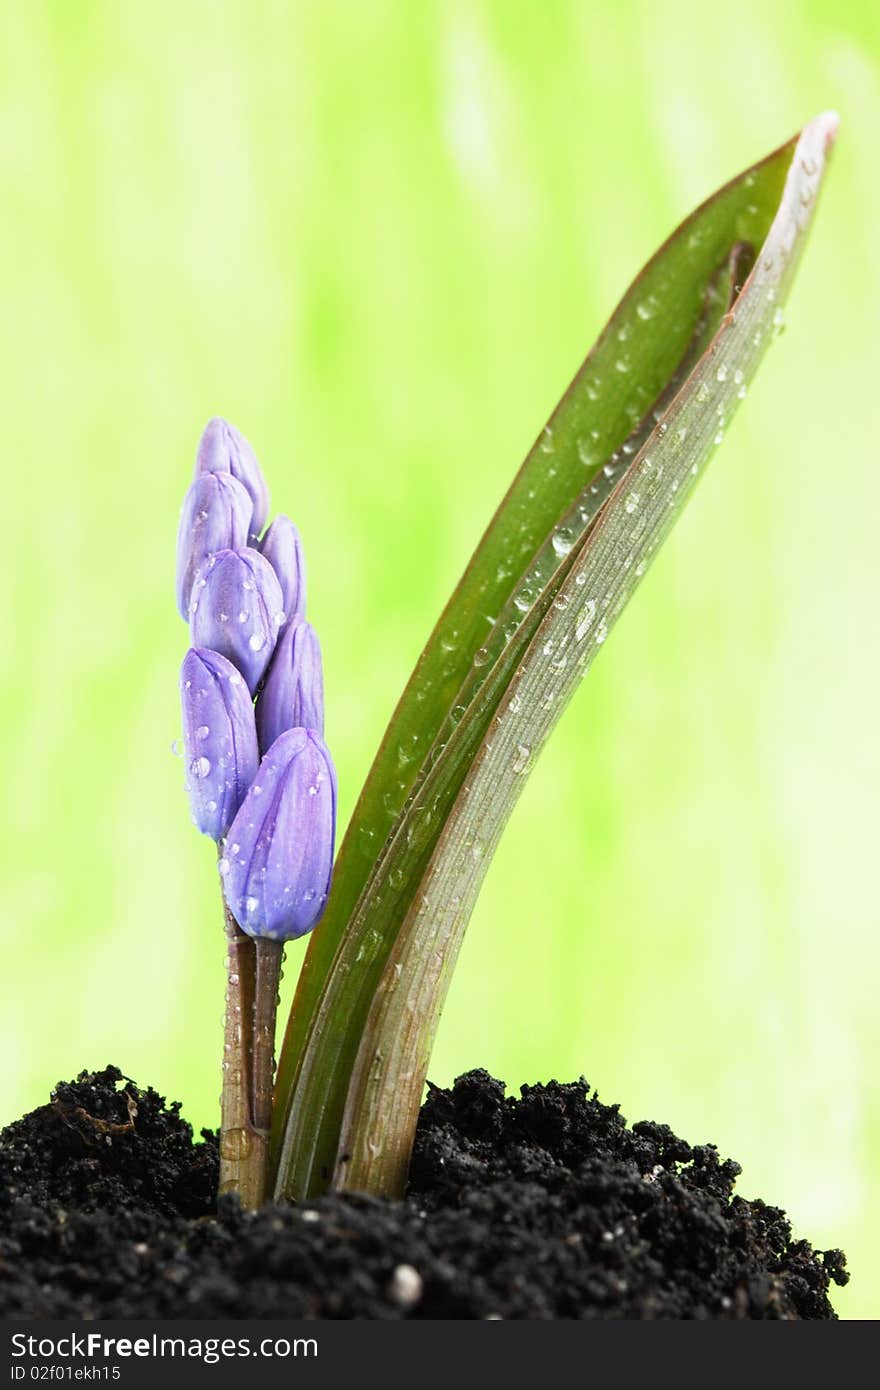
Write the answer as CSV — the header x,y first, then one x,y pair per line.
x,y
241,1164
269,956
253,972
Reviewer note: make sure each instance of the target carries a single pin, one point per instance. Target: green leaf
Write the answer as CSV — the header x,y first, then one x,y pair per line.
x,y
589,507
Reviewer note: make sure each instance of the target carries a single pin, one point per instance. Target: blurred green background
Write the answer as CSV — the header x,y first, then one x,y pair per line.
x,y
379,237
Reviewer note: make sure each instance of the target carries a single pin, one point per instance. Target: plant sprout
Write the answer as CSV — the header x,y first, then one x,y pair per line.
x,y
583,518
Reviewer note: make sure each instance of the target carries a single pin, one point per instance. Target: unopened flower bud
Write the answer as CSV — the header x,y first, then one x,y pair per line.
x,y
236,609
293,692
282,547
223,450
219,739
278,856
216,515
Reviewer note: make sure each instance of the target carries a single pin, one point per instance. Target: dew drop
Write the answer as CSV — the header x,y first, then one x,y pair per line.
x,y
585,619
521,761
202,731
563,540
585,453
235,1144
177,748
256,641
200,767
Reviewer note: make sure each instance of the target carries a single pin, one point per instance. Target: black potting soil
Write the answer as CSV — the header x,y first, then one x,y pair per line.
x,y
544,1207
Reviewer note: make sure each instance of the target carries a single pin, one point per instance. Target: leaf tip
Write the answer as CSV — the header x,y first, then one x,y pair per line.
x,y
826,126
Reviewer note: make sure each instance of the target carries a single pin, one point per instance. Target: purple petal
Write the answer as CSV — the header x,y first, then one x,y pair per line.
x,y
223,450
236,610
278,857
282,547
219,739
293,694
216,515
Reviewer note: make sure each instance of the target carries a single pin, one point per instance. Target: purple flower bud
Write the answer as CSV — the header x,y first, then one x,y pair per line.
x,y
216,515
278,857
223,450
282,547
219,739
236,610
293,694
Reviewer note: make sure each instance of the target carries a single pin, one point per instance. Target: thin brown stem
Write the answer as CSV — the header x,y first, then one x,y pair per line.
x,y
242,1151
269,955
253,972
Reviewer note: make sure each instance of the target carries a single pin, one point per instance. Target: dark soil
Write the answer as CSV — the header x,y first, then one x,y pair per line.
x,y
543,1207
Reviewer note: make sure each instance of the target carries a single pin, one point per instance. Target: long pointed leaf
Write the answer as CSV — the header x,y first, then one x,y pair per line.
x,y
507,592
389,1075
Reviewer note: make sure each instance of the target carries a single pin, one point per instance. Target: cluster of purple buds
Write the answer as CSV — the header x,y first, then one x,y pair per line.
x,y
260,779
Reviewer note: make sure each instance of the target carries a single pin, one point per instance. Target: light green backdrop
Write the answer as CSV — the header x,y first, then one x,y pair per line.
x,y
379,237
